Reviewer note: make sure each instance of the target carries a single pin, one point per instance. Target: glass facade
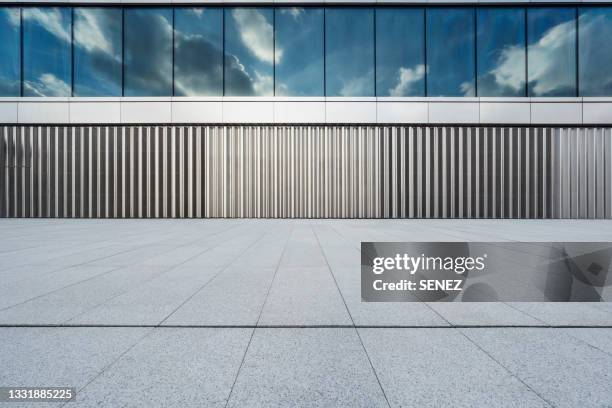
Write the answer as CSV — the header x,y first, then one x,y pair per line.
x,y
551,51
451,52
97,52
198,51
47,67
500,36
249,51
10,52
595,52
494,51
349,52
400,52
148,52
299,51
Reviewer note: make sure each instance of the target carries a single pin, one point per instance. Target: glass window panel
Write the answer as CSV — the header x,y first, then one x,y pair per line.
x,y
450,52
46,51
10,71
299,51
249,48
349,47
500,36
595,60
400,52
97,52
148,52
551,53
198,51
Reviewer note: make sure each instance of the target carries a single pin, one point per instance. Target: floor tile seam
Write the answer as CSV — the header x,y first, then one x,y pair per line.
x,y
113,362
222,269
289,326
191,242
545,323
246,350
150,279
113,269
160,274
593,346
365,351
503,366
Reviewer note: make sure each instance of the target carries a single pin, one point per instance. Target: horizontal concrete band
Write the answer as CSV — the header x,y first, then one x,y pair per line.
x,y
322,171
227,110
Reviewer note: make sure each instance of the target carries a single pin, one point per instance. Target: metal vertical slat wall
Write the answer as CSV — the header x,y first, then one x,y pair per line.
x,y
305,172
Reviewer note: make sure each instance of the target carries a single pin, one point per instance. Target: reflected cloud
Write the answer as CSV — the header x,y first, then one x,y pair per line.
x,y
13,17
200,71
91,32
148,65
47,85
241,82
407,78
263,84
256,34
596,59
358,86
548,72
49,19
294,12
198,12
548,58
508,75
97,52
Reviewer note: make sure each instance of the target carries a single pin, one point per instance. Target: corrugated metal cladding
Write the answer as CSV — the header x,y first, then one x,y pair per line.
x,y
305,171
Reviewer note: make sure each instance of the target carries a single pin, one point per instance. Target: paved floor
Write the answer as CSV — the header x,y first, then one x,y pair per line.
x,y
267,313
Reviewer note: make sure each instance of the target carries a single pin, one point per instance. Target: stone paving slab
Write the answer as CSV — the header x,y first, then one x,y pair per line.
x,y
150,303
16,291
62,305
564,370
234,297
60,357
306,368
172,368
566,314
304,296
441,368
382,313
483,314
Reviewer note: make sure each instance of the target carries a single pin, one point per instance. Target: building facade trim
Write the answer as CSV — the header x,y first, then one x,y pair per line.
x,y
317,110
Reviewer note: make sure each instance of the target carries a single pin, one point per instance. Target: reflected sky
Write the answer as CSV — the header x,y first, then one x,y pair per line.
x,y
595,59
148,52
348,68
551,54
198,58
249,50
46,51
450,52
299,40
97,52
349,45
10,52
400,52
501,51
